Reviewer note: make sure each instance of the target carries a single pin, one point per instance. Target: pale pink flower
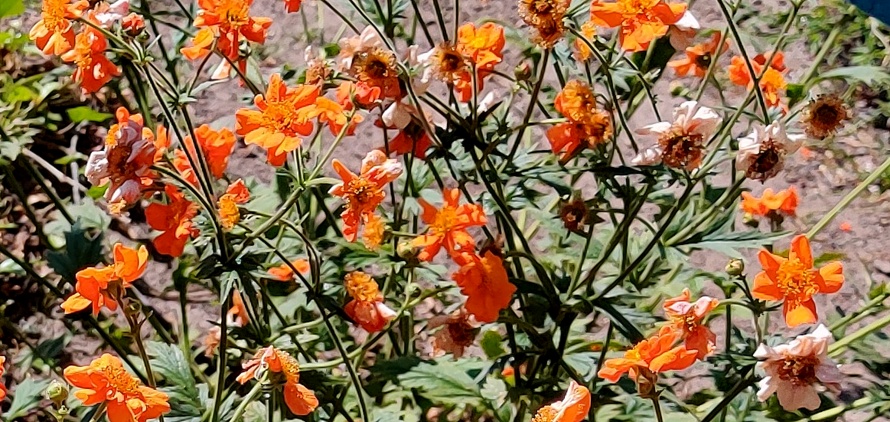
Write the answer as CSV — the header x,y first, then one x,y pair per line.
x,y
682,34
366,41
797,371
681,142
762,153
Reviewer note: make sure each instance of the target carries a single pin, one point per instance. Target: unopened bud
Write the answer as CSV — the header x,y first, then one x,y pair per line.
x,y
57,392
678,89
522,72
133,24
750,221
735,267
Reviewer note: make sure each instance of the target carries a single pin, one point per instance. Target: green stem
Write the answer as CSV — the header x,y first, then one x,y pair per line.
x,y
830,215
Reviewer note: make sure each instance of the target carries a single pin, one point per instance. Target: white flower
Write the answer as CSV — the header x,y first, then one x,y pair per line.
x,y
680,143
796,370
107,14
400,113
762,153
683,32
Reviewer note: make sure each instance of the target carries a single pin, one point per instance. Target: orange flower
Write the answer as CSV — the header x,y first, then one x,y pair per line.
x,y
784,201
366,307
201,44
795,281
375,229
284,115
448,226
846,226
698,57
175,221
573,408
587,126
588,30
483,46
771,79
106,381
484,281
282,369
412,139
686,317
292,5
284,272
649,357
217,146
236,194
238,314
231,18
53,33
2,387
94,69
98,287
363,193
641,21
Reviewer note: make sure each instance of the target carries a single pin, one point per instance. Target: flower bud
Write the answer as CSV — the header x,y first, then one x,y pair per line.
x,y
57,392
133,24
735,267
522,72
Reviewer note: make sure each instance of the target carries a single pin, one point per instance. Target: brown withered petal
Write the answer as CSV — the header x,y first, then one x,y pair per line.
x,y
682,150
574,214
824,116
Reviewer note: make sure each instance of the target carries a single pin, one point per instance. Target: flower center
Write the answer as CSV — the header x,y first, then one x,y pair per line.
x,y
119,165
681,150
54,15
289,366
703,61
445,219
546,414
826,115
280,115
461,332
796,280
361,287
799,370
119,379
362,195
767,163
637,7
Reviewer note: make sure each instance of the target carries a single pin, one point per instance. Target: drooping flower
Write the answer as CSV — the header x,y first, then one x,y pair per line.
x,y
698,57
574,214
456,333
583,51
125,163
782,202
641,21
282,369
681,143
366,41
236,194
687,317
824,115
762,152
573,408
795,281
798,370
366,308
106,381
174,219
106,14
285,272
682,32
283,117
232,20
54,32
650,357
546,16
103,287
483,280
587,125
448,226
377,69
133,24
363,192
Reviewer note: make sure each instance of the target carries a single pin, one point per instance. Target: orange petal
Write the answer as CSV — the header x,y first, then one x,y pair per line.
x,y
805,313
831,277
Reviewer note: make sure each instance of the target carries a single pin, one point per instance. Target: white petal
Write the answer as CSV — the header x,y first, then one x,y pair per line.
x,y
768,386
655,128
647,157
397,115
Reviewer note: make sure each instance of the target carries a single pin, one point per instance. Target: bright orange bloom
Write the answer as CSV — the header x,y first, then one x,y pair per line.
x,y
698,57
687,317
650,356
573,408
482,46
772,81
282,369
53,33
587,126
231,18
284,115
94,69
363,192
217,147
175,221
98,287
795,281
238,314
284,272
483,280
292,5
236,194
366,307
106,381
783,201
201,44
2,369
641,21
375,229
448,226
412,139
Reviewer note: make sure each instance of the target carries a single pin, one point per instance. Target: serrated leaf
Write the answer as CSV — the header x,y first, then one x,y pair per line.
x,y
869,75
87,114
82,249
28,395
442,382
168,362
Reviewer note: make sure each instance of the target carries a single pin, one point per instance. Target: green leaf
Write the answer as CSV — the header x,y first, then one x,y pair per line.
x,y
169,362
492,344
28,395
82,249
87,114
868,75
442,382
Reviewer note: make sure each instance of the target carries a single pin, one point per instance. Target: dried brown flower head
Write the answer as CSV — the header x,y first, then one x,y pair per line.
x,y
546,16
824,116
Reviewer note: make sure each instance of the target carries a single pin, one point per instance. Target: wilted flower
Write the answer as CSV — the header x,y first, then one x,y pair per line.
x,y
687,318
795,281
573,408
587,125
366,307
797,370
106,14
681,143
546,16
784,201
762,153
283,369
698,57
457,333
365,42
483,280
649,357
480,48
363,192
174,219
448,226
103,287
106,381
824,115
574,214
133,24
682,32
641,22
